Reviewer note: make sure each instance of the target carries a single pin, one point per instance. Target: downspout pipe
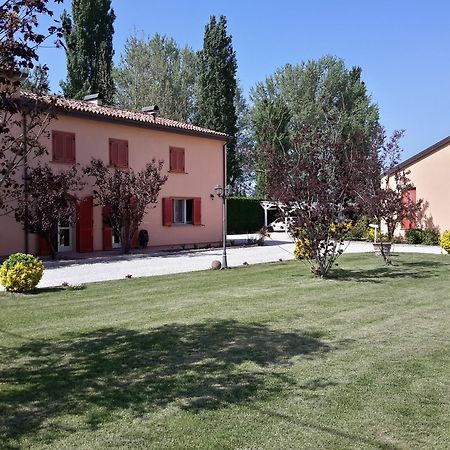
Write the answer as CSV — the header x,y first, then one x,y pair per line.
x,y
224,210
25,180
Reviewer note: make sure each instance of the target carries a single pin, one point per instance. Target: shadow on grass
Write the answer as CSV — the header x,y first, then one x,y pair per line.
x,y
195,367
363,442
413,270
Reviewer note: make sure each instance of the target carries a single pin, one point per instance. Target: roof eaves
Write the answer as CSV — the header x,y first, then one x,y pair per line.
x,y
60,105
423,154
141,124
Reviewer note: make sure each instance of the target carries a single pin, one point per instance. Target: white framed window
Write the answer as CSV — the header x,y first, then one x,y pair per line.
x,y
115,240
183,211
65,241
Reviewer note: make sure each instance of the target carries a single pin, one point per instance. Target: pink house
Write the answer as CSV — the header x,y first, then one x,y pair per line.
x,y
187,212
429,172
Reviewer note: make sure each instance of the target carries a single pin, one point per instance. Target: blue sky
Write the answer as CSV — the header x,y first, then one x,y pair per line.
x,y
403,47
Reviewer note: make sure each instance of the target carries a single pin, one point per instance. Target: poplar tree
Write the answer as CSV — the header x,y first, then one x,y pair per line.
x,y
89,43
217,88
157,71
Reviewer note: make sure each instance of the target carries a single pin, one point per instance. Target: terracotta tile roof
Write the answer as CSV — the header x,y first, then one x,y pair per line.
x,y
109,112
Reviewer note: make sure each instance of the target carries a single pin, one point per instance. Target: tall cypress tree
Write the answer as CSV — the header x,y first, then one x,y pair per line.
x,y
217,87
89,43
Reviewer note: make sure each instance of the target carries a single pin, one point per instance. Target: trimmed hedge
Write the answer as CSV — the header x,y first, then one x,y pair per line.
x,y
244,215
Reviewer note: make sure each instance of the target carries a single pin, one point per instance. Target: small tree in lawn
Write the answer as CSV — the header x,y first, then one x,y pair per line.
x,y
126,195
50,200
314,180
383,191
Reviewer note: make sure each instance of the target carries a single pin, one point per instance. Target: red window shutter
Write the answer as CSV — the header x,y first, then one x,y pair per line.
x,y
408,198
176,159
118,153
85,224
113,153
173,159
181,159
69,147
123,154
197,205
63,147
126,154
43,246
412,199
57,146
167,211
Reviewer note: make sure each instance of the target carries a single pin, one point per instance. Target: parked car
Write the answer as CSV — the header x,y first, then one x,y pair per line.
x,y
280,224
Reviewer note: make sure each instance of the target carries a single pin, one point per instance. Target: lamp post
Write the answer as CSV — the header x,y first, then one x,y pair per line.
x,y
223,193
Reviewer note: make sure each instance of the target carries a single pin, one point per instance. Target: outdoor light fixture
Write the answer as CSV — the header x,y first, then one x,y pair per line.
x,y
223,194
220,191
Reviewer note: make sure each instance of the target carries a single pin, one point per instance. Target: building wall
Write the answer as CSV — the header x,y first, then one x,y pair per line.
x,y
203,167
431,177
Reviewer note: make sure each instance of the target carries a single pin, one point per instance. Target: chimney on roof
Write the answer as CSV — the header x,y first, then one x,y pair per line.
x,y
95,99
153,110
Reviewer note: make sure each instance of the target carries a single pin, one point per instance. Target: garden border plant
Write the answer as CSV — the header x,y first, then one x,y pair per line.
x,y
21,272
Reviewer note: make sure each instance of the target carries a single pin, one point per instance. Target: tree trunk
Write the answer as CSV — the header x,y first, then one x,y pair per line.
x,y
125,240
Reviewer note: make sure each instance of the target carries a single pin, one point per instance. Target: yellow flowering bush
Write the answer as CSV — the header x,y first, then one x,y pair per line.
x,y
381,237
444,241
21,272
302,249
340,228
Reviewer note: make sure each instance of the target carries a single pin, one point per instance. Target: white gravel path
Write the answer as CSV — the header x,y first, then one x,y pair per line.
x,y
102,268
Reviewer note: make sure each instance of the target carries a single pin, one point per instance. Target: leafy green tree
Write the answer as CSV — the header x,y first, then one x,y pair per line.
x,y
270,118
157,71
89,49
217,86
245,145
323,94
37,80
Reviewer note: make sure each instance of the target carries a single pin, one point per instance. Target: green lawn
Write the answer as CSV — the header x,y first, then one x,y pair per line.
x,y
261,357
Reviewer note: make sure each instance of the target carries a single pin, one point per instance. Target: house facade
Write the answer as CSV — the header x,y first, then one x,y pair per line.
x,y
429,171
188,212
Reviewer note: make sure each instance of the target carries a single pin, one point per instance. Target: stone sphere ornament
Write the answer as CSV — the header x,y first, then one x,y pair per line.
x,y
216,265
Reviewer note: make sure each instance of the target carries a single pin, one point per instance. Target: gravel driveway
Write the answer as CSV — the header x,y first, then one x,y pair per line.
x,y
115,267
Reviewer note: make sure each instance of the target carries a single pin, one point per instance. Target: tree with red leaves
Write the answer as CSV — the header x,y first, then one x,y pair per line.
x,y
22,123
125,195
314,177
383,190
50,200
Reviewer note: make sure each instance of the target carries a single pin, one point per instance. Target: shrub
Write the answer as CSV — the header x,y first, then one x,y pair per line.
x,y
430,237
381,237
445,241
398,240
302,249
426,237
413,236
21,272
359,231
